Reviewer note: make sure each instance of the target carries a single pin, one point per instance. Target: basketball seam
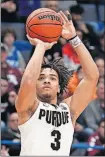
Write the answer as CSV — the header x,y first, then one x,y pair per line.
x,y
38,14
41,35
45,24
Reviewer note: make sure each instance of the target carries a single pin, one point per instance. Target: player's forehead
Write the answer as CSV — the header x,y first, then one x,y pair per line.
x,y
48,71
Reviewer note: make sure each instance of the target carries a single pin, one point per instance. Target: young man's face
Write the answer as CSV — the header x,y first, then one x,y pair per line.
x,y
48,84
100,65
13,121
76,17
12,97
3,55
100,90
54,5
9,39
4,86
101,130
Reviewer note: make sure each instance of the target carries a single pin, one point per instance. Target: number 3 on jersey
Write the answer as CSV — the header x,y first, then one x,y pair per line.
x,y
57,135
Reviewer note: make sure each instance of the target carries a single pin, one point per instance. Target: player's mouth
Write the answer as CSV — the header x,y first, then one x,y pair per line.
x,y
46,87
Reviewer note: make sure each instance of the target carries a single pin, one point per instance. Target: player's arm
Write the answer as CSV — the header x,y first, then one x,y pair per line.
x,y
27,93
84,91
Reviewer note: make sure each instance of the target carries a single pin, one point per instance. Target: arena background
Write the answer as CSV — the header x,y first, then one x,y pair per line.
x,y
89,21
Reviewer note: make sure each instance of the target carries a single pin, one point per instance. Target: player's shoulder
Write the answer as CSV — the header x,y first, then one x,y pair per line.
x,y
63,105
67,101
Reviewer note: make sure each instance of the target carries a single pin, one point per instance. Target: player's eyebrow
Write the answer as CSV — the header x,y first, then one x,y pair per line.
x,y
50,75
54,75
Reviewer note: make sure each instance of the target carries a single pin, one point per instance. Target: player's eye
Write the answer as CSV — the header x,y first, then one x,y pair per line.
x,y
41,78
53,78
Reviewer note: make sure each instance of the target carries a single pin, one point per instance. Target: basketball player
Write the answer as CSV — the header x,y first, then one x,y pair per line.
x,y
47,127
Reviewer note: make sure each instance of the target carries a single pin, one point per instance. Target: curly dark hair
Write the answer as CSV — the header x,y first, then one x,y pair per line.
x,y
64,73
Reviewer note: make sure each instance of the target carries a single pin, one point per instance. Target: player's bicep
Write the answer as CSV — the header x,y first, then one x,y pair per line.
x,y
26,96
82,96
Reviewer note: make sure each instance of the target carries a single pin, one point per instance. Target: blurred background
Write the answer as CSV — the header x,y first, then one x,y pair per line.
x,y
16,51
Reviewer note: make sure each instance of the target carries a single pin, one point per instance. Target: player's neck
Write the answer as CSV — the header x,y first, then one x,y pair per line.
x,y
49,100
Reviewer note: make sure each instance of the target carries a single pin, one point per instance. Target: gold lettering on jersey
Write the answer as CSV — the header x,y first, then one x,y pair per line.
x,y
55,118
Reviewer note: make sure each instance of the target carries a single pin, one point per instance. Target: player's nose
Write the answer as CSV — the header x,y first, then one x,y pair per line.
x,y
47,80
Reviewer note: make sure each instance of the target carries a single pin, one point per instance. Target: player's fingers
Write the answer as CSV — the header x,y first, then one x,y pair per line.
x,y
63,20
32,40
29,38
64,16
37,40
68,15
53,43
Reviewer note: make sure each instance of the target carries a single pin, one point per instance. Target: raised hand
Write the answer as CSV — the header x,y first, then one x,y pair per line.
x,y
68,31
35,42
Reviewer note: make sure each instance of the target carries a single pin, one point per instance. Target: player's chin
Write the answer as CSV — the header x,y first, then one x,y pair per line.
x,y
47,94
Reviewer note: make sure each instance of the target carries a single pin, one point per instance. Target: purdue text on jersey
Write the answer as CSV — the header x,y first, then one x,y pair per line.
x,y
55,118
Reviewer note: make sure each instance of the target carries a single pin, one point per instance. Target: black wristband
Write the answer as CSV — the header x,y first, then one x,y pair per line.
x,y
75,41
72,38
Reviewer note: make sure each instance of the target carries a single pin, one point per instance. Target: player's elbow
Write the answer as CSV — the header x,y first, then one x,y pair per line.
x,y
94,76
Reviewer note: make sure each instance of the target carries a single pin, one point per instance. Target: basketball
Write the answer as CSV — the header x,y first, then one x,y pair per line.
x,y
44,24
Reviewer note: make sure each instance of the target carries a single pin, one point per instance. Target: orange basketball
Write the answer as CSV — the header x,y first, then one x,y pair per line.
x,y
44,24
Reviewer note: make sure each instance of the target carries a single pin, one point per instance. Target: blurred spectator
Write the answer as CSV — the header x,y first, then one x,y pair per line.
x,y
52,4
70,57
98,138
91,1
95,110
101,79
81,133
76,12
4,87
12,133
100,64
89,34
4,98
11,102
102,42
14,58
86,42
3,125
13,74
100,48
9,10
74,81
79,136
80,73
26,7
55,51
4,151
